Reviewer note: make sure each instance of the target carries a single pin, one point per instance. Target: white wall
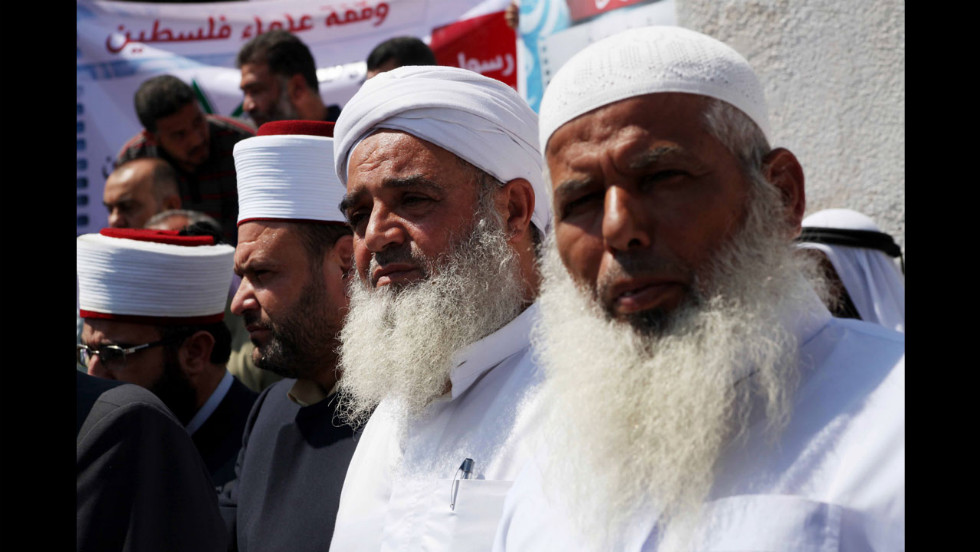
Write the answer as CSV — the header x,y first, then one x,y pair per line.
x,y
834,74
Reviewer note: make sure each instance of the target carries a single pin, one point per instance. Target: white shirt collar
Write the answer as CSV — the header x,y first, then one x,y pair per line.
x,y
211,404
306,392
805,322
475,359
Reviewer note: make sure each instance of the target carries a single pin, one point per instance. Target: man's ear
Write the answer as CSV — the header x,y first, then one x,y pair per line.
x,y
517,197
783,170
296,88
195,353
342,254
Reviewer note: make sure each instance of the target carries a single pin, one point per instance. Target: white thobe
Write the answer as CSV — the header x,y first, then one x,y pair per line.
x,y
835,479
400,482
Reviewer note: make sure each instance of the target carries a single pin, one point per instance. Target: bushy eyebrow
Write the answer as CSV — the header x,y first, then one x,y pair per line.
x,y
413,181
253,257
657,155
673,156
644,160
572,187
349,199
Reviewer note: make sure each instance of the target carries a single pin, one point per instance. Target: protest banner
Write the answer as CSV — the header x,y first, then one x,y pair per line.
x,y
121,44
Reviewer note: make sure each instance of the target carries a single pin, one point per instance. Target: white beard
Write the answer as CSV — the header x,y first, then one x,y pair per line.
x,y
400,343
647,415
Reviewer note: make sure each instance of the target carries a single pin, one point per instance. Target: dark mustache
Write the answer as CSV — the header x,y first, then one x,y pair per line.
x,y
250,318
400,254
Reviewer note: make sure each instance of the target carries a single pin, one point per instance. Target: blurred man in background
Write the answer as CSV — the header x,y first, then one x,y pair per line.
x,y
279,80
139,189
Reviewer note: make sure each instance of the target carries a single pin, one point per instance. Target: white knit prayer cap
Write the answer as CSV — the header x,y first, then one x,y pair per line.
x,y
286,173
481,120
139,275
648,60
874,283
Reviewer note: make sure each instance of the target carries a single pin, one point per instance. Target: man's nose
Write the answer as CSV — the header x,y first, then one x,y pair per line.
x,y
248,104
97,368
116,220
623,221
384,229
244,298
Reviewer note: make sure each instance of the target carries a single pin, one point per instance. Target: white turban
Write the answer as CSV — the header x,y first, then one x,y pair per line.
x,y
286,173
649,60
478,119
152,276
874,283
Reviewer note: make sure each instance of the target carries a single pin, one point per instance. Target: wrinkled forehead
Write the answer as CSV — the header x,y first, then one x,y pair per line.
x,y
267,238
661,125
655,109
391,152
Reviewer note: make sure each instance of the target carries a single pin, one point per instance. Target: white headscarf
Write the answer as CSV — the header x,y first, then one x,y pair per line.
x,y
875,284
648,60
478,119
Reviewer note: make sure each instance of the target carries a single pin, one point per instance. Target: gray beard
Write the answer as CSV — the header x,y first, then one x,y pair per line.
x,y
400,343
649,407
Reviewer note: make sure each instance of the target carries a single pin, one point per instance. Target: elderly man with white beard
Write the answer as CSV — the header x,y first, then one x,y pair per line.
x,y
698,394
443,178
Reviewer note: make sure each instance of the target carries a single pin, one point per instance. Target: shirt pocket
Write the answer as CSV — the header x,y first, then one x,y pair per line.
x,y
471,523
763,523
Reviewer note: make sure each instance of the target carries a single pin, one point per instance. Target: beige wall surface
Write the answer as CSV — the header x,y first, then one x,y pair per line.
x,y
834,75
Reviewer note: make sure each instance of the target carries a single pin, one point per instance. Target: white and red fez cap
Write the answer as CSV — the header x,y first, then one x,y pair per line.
x,y
153,276
286,173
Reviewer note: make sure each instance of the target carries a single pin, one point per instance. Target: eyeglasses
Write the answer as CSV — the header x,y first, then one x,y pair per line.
x,y
114,356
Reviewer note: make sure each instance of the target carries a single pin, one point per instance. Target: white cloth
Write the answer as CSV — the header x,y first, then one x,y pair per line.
x,y
398,488
835,479
876,286
648,60
478,119
118,276
211,404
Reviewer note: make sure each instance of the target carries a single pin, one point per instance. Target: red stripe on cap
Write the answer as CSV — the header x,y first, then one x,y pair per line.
x,y
309,128
155,320
157,236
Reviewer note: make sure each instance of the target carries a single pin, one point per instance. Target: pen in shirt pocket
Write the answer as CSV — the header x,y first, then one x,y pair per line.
x,y
467,470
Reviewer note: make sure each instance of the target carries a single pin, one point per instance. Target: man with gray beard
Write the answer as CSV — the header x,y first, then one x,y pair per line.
x,y
698,394
442,174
